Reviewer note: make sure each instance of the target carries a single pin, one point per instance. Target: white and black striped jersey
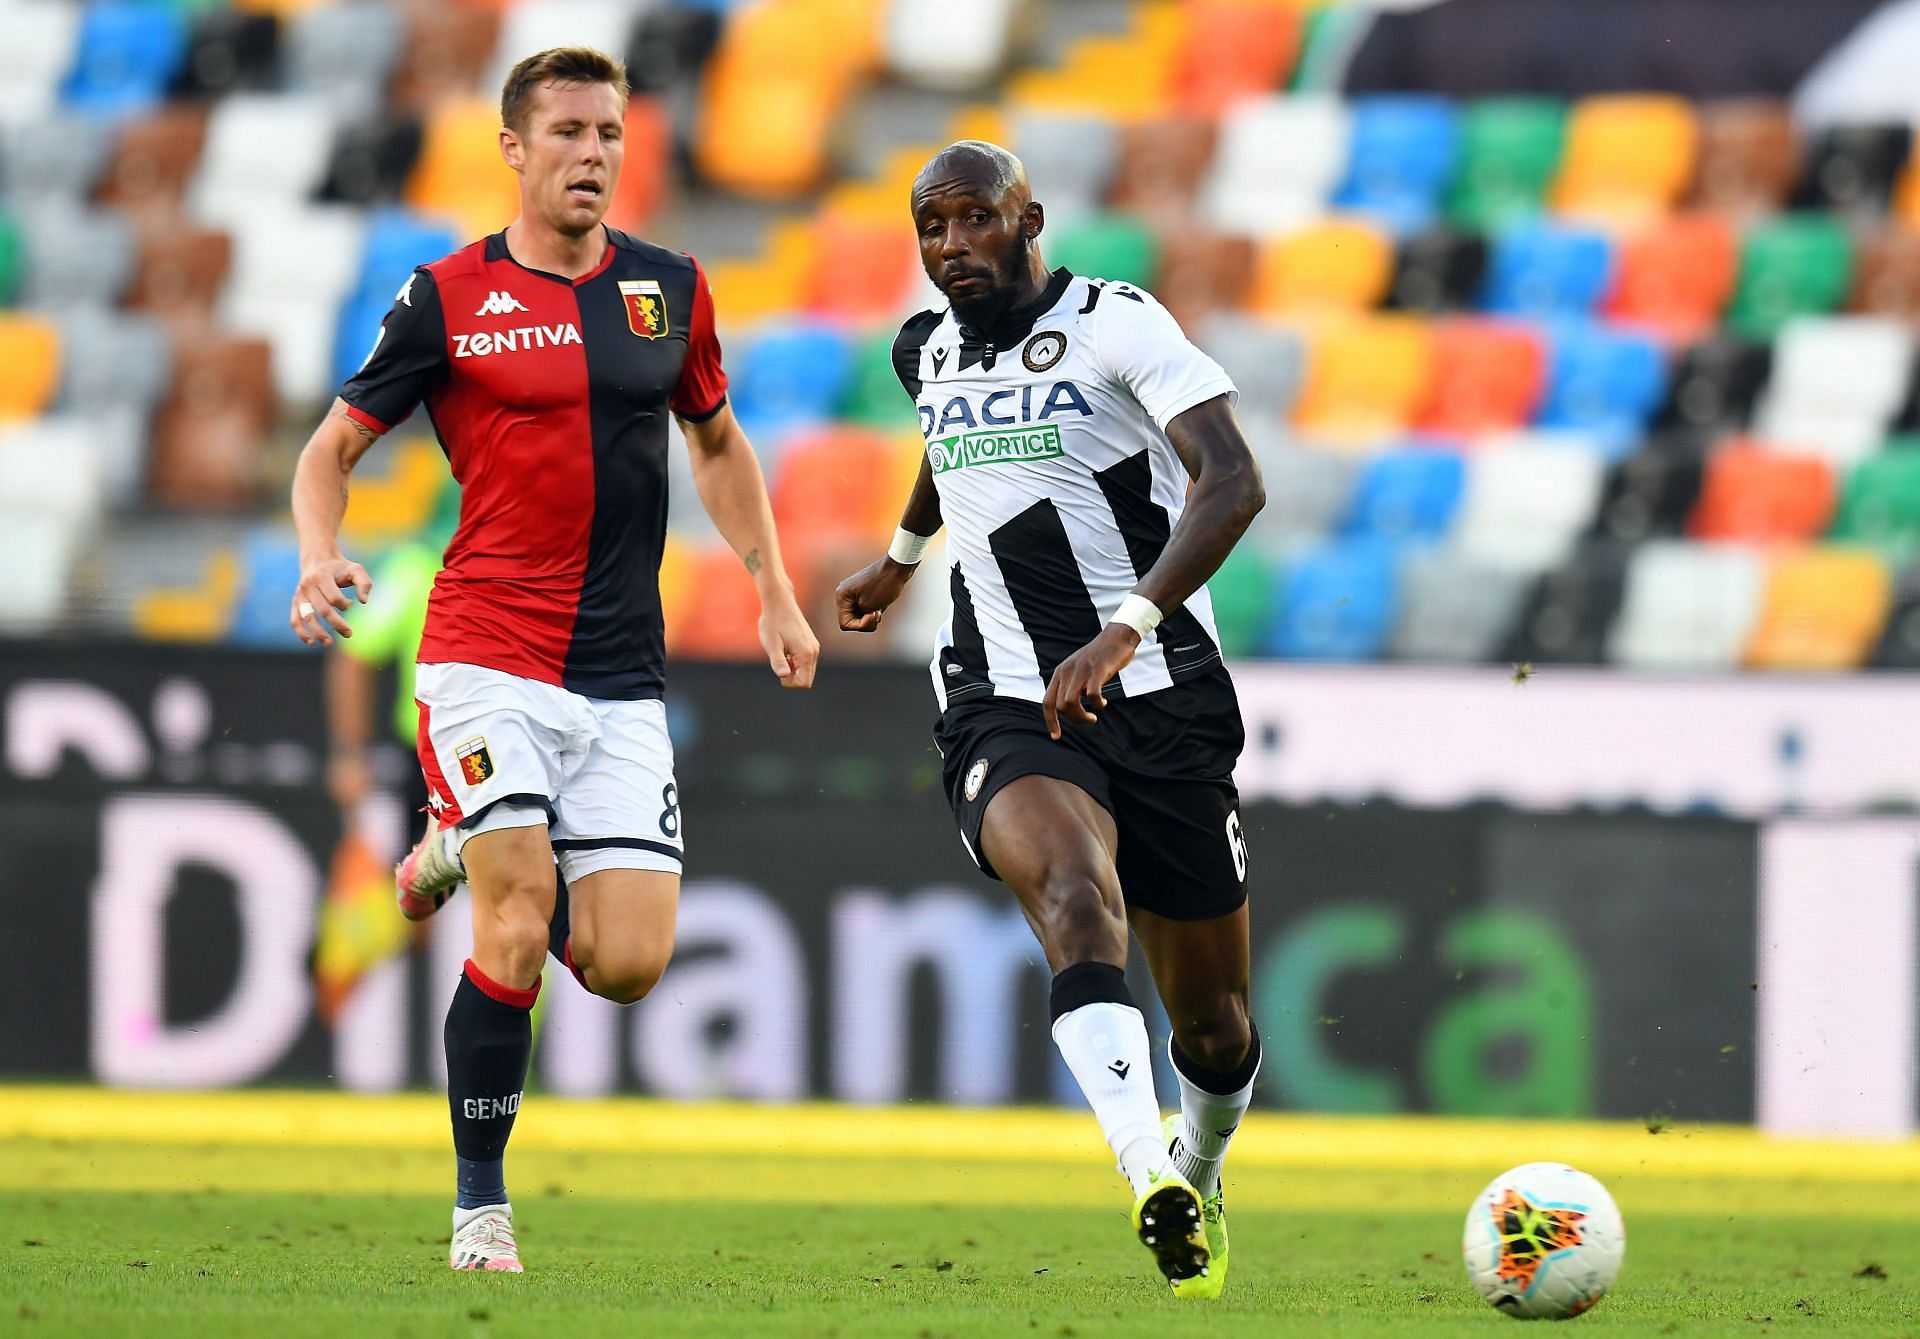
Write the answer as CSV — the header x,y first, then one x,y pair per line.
x,y
1057,483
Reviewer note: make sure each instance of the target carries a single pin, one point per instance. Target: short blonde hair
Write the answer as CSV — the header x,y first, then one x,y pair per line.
x,y
559,65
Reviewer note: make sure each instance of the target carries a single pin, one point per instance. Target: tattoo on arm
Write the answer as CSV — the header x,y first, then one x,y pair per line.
x,y
752,561
355,424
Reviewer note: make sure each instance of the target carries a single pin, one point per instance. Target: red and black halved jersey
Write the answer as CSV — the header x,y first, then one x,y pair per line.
x,y
550,397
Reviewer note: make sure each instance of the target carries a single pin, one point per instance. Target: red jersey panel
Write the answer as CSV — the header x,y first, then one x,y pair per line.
x,y
550,397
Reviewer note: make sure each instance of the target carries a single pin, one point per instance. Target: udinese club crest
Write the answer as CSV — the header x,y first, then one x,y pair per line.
x,y
976,778
1044,350
646,307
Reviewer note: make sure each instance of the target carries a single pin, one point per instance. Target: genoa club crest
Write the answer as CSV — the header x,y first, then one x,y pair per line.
x,y
646,307
476,764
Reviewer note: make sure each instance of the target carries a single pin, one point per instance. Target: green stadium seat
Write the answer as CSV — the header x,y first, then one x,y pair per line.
x,y
1880,506
1509,152
873,394
11,258
1791,265
1108,246
1242,593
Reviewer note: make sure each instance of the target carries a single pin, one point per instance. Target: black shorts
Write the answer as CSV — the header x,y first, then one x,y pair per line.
x,y
1161,764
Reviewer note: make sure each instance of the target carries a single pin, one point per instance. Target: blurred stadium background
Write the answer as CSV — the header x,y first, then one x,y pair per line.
x,y
1577,642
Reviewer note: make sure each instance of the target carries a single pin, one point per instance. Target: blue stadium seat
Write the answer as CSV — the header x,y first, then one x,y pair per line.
x,y
126,56
1603,380
270,567
1411,493
1336,602
397,240
791,376
1402,158
1544,269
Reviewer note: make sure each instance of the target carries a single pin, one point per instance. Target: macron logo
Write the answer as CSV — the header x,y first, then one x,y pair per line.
x,y
499,304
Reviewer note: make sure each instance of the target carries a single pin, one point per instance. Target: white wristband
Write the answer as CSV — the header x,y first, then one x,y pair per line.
x,y
1139,613
907,547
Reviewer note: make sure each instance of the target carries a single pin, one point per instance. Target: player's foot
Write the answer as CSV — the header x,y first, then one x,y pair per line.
x,y
427,877
1213,1211
485,1241
1167,1217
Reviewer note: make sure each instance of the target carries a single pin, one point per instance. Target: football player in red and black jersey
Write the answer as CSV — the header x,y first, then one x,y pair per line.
x,y
548,357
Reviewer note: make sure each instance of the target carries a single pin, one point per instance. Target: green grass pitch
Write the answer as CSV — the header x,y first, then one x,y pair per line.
x,y
310,1214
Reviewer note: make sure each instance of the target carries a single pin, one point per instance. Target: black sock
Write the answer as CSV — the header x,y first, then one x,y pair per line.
x,y
1087,983
489,1038
1215,1081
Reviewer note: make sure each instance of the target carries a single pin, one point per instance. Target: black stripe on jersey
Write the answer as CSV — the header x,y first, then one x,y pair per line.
x,y
1145,526
1043,580
963,665
907,345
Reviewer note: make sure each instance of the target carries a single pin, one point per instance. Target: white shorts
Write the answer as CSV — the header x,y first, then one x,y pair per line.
x,y
500,751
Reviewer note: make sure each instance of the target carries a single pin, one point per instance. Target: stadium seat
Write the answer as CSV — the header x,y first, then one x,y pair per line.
x,y
459,174
58,152
1278,160
112,359
30,351
1487,376
604,25
770,286
1242,595
447,49
1439,270
76,256
1528,496
1107,246
1793,265
1548,269
1676,276
1824,609
671,47
1335,264
1886,275
1854,168
209,436
865,269
1654,490
873,395
1366,377
230,51
1407,494
1127,77
1162,169
269,569
1753,494
201,611
1072,159
1402,158
263,149
126,56
1899,646
39,50
1309,492
790,376
1335,602
772,92
1687,606
1267,364
292,268
372,161
1717,383
1628,156
1454,610
843,484
1202,273
1837,384
1749,156
1509,151
1603,380
1233,51
50,504
1880,503
1566,615
396,241
154,162
12,258
723,624
180,272
924,47
346,54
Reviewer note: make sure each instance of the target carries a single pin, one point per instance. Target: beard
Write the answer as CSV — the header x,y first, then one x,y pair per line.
x,y
985,311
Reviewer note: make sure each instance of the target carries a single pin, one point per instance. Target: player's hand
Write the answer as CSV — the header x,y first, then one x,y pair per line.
x,y
866,595
321,598
1082,675
792,649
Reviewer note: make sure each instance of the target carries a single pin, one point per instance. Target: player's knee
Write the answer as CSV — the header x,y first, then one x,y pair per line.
x,y
1078,921
1217,1035
628,976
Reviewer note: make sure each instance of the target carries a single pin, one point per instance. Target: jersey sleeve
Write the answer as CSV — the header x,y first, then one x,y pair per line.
x,y
409,357
702,389
1144,349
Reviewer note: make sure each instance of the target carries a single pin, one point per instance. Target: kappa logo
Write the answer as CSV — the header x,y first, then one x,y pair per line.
x,y
500,303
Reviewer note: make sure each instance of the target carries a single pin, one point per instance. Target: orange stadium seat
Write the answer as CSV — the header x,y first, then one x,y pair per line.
x,y
1886,276
460,173
1677,276
864,268
775,282
1628,156
772,92
1163,164
448,48
1125,78
721,620
1202,273
643,170
843,483
154,161
210,435
1824,609
181,271
1749,156
678,563
201,612
1488,376
1235,49
30,353
1337,264
1366,376
1757,495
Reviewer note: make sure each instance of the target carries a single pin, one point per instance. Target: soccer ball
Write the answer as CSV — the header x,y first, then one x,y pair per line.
x,y
1544,1240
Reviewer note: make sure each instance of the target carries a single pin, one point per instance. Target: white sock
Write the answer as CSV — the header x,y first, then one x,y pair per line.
x,y
1207,1123
1106,1047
